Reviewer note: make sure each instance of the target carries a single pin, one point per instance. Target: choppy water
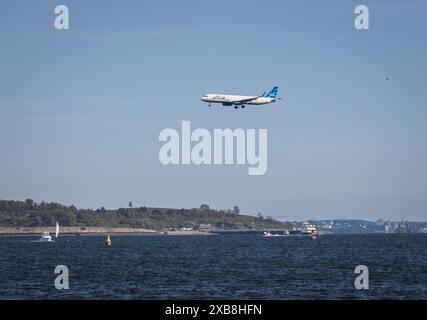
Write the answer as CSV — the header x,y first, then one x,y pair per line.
x,y
215,267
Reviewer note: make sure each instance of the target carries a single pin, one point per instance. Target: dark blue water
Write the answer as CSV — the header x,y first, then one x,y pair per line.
x,y
216,267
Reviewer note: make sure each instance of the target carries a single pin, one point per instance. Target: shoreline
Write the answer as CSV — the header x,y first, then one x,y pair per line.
x,y
75,231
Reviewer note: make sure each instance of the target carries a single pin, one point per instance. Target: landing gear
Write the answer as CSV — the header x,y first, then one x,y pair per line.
x,y
209,105
236,106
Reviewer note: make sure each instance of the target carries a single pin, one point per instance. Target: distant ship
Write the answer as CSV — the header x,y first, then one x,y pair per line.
x,y
304,230
308,228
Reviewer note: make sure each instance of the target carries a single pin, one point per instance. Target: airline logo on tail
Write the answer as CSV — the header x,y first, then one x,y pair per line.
x,y
272,94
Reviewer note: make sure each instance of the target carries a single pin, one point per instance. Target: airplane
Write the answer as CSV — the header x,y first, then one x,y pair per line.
x,y
236,101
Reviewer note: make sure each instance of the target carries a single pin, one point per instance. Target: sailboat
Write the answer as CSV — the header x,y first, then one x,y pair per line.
x,y
57,230
46,237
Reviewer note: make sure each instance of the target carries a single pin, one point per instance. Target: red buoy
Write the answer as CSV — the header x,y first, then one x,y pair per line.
x,y
313,235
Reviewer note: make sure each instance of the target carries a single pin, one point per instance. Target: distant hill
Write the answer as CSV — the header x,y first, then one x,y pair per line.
x,y
363,226
348,226
30,214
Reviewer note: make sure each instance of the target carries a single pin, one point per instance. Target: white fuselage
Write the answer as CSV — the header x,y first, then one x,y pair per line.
x,y
230,99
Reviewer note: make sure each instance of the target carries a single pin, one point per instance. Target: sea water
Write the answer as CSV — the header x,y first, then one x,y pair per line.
x,y
225,266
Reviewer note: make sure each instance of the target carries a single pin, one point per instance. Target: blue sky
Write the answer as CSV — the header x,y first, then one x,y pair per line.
x,y
81,109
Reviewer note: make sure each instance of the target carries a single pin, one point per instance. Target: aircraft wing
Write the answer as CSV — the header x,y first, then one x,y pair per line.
x,y
248,100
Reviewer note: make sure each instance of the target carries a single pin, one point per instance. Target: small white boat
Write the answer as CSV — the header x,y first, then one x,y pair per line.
x,y
46,237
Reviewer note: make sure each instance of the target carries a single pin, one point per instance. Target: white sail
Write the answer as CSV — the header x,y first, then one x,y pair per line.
x,y
57,230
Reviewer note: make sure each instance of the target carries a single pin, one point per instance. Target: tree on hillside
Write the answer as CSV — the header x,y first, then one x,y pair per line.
x,y
29,203
236,210
205,207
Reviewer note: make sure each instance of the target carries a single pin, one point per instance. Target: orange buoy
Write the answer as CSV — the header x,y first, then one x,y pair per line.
x,y
108,241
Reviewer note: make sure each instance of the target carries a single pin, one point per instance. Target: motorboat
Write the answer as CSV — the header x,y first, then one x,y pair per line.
x,y
45,237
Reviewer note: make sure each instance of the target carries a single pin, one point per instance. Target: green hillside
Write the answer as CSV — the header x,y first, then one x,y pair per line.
x,y
30,214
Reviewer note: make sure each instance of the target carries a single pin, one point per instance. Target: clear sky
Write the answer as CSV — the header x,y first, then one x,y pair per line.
x,y
81,109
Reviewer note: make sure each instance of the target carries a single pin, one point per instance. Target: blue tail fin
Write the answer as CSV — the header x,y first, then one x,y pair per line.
x,y
272,94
